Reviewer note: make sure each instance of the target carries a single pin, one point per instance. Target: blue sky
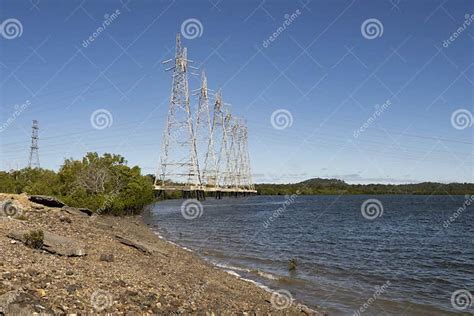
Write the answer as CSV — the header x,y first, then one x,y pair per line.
x,y
320,69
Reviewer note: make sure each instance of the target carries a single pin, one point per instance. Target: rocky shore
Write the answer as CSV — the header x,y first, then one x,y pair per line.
x,y
56,259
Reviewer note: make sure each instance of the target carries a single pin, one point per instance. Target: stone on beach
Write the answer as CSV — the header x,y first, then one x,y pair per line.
x,y
55,244
46,200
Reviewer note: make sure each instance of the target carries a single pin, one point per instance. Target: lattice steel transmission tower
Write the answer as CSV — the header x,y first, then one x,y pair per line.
x,y
219,136
207,159
246,180
33,162
178,163
231,175
225,118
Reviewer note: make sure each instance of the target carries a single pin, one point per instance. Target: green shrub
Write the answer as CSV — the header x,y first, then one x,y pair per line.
x,y
34,239
104,184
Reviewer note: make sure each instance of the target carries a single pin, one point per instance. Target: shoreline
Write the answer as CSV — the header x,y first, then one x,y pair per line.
x,y
145,218
122,266
227,269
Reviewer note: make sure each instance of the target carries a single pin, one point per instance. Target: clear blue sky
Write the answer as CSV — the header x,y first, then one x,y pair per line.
x,y
320,68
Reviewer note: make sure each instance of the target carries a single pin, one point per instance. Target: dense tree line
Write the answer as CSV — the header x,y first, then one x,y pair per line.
x,y
333,186
104,184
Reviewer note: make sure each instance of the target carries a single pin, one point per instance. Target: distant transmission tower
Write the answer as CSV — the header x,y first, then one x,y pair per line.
x,y
34,155
178,162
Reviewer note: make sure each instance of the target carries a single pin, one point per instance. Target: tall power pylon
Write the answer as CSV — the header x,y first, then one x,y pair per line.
x,y
178,162
201,152
246,172
232,170
207,159
225,150
33,162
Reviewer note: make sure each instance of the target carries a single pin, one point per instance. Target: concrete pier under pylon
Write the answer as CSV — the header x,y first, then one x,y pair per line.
x,y
200,192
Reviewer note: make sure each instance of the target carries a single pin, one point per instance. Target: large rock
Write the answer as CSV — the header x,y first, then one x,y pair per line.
x,y
134,244
55,244
77,211
46,200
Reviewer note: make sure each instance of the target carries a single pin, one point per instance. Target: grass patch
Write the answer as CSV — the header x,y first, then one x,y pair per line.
x,y
34,239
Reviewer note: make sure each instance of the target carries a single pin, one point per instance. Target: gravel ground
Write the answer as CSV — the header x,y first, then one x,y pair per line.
x,y
155,278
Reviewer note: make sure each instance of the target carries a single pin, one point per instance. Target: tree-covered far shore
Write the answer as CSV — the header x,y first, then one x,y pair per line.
x,y
318,186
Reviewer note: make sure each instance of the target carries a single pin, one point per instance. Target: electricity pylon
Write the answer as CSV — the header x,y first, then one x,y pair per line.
x,y
178,162
33,162
233,160
219,133
226,150
246,173
207,159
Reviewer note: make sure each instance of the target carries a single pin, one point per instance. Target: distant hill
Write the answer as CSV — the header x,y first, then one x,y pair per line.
x,y
318,186
320,182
